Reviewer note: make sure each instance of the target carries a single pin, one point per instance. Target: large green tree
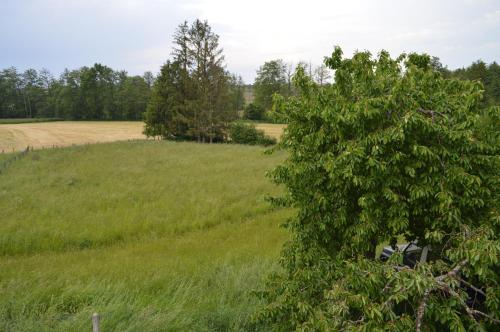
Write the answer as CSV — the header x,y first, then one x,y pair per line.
x,y
166,112
391,151
271,78
132,97
192,98
11,94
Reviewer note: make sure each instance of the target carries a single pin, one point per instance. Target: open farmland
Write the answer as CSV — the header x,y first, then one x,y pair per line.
x,y
153,235
65,133
271,129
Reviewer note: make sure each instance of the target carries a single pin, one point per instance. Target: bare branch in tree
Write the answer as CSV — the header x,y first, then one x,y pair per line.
x,y
430,113
421,310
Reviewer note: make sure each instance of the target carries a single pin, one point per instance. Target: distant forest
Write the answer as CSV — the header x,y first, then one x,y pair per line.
x,y
88,93
489,75
101,93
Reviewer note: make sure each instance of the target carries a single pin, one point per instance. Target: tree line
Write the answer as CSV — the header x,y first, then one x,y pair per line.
x,y
275,77
195,97
487,74
87,93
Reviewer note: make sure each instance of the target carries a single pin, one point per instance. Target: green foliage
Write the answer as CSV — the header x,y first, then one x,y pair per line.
x,y
254,112
29,120
167,113
390,150
236,93
134,231
245,133
487,74
95,93
133,95
271,79
192,98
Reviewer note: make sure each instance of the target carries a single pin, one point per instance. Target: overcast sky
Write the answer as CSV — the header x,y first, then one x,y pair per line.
x,y
136,35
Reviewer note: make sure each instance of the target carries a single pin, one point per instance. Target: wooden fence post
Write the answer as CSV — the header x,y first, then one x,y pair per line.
x,y
95,322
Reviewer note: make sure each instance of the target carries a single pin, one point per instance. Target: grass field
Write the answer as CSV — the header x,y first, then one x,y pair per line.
x,y
155,236
28,120
16,137
4,156
66,133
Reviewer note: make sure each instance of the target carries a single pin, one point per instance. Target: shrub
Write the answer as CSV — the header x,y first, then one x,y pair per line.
x,y
254,112
243,133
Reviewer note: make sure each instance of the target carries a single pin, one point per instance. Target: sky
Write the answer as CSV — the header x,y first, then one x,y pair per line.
x,y
136,36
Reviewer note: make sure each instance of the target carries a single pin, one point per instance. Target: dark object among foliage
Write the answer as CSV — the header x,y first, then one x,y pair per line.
x,y
413,255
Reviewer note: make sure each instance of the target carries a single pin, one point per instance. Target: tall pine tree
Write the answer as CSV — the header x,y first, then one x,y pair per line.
x,y
191,97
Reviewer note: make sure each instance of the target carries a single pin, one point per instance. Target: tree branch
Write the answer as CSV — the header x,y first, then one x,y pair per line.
x,y
421,311
430,112
468,284
453,272
470,312
480,313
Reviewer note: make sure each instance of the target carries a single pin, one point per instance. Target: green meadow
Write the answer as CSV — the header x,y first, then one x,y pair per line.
x,y
155,236
4,157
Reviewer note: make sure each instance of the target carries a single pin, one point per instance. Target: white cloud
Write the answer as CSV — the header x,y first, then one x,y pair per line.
x,y
493,16
136,35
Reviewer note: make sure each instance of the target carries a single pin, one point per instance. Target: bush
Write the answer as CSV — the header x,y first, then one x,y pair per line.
x,y
254,112
243,133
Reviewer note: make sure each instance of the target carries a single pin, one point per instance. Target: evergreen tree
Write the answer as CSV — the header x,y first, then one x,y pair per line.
x,y
191,94
164,115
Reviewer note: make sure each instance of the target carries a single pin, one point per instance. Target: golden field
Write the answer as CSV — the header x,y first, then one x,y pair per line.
x,y
16,137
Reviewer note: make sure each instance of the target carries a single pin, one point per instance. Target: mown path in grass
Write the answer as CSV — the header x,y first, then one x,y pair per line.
x,y
153,235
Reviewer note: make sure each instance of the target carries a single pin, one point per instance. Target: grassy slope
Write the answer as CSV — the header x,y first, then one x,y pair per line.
x,y
153,235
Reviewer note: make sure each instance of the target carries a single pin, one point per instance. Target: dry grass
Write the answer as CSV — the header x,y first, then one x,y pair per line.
x,y
65,133
272,129
16,137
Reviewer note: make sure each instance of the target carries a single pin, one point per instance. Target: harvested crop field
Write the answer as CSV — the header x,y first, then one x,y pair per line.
x,y
16,137
64,133
272,129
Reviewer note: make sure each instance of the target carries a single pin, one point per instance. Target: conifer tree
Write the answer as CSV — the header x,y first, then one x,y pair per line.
x,y
201,108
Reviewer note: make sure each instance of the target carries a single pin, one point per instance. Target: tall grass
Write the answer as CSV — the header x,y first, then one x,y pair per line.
x,y
5,156
155,236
